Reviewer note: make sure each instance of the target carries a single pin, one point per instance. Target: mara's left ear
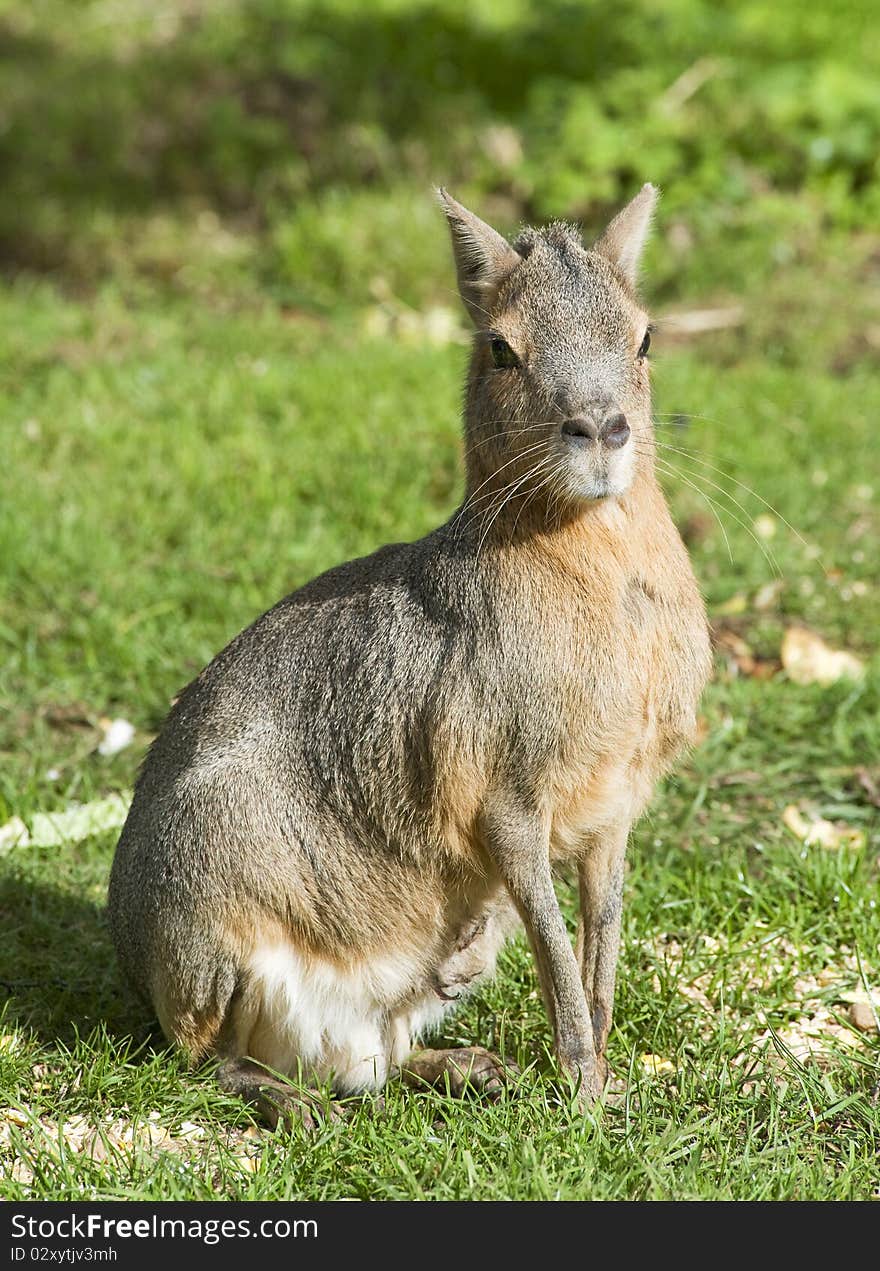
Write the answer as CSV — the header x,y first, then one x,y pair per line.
x,y
482,257
625,237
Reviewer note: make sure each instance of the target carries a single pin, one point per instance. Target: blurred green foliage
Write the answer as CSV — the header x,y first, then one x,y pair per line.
x,y
148,135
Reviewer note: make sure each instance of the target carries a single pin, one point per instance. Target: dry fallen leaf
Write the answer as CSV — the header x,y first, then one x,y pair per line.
x,y
14,834
809,660
190,1131
815,831
655,1065
855,995
21,1174
113,1138
392,319
766,597
733,605
682,326
864,1015
696,528
14,1116
731,643
67,715
811,1028
54,829
118,733
740,657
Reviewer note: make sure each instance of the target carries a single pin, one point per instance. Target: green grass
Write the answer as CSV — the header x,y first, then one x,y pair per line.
x,y
213,388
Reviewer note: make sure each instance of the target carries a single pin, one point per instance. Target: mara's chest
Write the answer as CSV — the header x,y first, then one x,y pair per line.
x,y
620,704
635,655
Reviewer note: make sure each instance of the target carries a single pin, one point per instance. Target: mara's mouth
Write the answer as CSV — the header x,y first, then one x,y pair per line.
x,y
598,489
591,474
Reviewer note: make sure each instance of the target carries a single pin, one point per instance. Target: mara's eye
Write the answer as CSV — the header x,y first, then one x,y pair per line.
x,y
503,355
645,345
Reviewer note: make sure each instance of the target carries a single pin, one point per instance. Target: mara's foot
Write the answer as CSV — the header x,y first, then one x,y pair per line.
x,y
588,1081
277,1102
469,1067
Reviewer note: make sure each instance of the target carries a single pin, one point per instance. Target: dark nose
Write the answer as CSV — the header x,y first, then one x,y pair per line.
x,y
581,428
611,429
615,430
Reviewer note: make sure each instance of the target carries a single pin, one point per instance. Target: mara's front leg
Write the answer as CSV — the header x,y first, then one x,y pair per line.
x,y
518,839
600,873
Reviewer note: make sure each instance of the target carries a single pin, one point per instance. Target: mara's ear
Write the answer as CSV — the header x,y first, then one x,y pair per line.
x,y
482,256
625,237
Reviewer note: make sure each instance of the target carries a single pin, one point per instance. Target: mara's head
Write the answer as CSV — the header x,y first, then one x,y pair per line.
x,y
558,405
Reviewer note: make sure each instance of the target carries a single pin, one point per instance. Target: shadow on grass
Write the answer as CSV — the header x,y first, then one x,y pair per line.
x,y
58,971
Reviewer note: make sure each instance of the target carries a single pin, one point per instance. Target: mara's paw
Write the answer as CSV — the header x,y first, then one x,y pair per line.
x,y
293,1108
601,1074
470,1067
474,952
276,1101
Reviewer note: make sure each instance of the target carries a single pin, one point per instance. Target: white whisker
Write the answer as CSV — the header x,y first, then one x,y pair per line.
x,y
710,503
762,547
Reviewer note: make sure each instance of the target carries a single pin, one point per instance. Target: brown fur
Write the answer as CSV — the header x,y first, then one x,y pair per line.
x,y
370,781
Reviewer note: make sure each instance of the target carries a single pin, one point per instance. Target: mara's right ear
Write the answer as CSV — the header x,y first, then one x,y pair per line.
x,y
624,239
482,257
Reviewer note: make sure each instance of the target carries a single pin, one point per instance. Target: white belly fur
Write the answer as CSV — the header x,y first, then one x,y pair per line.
x,y
313,1020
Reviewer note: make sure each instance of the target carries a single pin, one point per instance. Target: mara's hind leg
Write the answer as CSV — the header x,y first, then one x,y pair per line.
x,y
459,1069
276,1101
